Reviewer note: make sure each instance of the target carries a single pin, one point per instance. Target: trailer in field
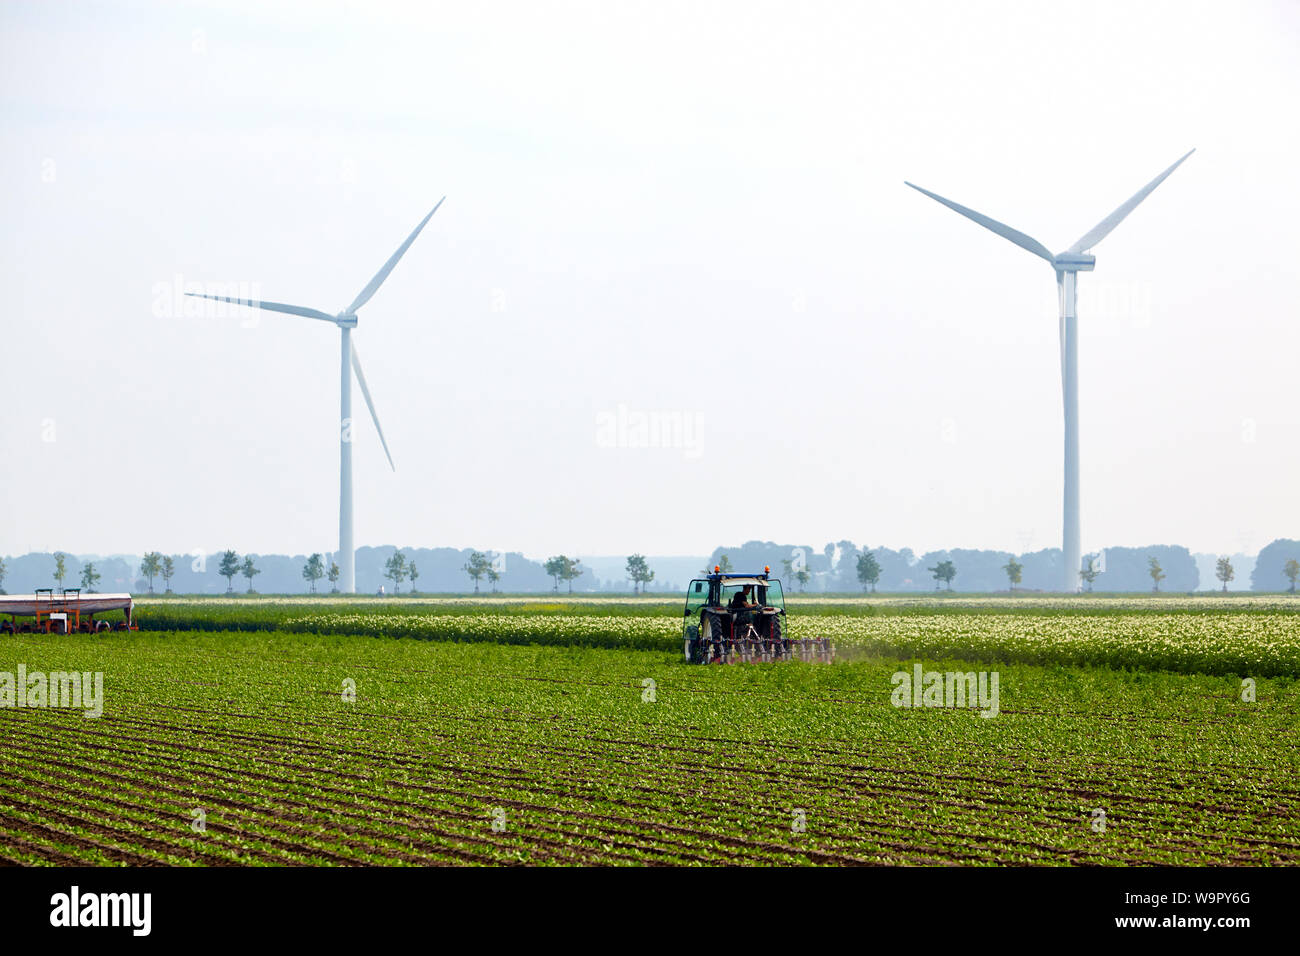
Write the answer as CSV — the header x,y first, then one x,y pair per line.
x,y
64,611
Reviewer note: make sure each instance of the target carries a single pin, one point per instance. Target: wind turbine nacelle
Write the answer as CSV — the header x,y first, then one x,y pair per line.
x,y
346,321
1074,262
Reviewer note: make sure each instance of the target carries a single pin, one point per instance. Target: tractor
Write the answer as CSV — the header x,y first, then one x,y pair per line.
x,y
736,617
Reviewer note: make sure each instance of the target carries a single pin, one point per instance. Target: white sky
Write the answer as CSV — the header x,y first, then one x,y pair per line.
x,y
693,209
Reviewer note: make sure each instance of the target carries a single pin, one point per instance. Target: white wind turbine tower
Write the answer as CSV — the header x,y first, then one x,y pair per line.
x,y
1067,265
346,320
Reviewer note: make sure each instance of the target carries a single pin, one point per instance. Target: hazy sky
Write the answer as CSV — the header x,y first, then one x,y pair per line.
x,y
692,211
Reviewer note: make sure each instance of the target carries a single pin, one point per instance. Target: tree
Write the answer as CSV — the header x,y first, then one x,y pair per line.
x,y
168,571
333,577
572,569
89,576
4,570
1223,571
248,570
1291,569
395,569
943,571
1157,574
1090,571
555,569
493,575
60,567
724,565
313,570
803,577
1271,562
478,565
639,571
1015,571
151,567
229,568
414,572
868,570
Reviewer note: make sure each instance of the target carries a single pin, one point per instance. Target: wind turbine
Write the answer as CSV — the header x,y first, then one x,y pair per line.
x,y
346,320
1067,265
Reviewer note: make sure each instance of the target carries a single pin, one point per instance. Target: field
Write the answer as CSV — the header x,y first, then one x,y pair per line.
x,y
1259,636
549,732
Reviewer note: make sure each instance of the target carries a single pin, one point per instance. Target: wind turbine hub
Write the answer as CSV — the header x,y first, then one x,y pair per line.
x,y
346,320
1074,262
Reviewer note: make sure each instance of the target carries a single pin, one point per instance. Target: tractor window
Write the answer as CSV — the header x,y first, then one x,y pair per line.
x,y
729,591
697,595
774,596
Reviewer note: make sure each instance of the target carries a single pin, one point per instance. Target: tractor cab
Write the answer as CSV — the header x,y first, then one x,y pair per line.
x,y
725,590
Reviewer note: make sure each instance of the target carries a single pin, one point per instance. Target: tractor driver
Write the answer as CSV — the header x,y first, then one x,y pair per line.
x,y
741,606
740,600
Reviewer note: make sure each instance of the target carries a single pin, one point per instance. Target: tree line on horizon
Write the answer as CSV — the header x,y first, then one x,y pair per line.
x,y
842,566
838,567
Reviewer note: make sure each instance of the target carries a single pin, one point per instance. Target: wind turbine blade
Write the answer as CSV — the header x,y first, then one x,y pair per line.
x,y
1005,231
269,306
1103,228
365,392
382,274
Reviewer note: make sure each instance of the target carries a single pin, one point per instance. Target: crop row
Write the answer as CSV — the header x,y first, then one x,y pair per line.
x,y
1242,644
1246,644
257,613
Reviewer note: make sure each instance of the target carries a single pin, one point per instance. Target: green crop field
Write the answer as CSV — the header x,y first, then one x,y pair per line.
x,y
550,732
1259,636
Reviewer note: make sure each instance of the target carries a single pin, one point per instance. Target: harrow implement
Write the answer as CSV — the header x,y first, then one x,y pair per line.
x,y
758,650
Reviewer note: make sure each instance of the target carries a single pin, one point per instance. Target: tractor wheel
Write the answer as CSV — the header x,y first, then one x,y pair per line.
x,y
691,647
775,643
711,646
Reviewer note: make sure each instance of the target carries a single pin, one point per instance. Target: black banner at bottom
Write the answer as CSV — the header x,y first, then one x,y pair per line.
x,y
232,905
